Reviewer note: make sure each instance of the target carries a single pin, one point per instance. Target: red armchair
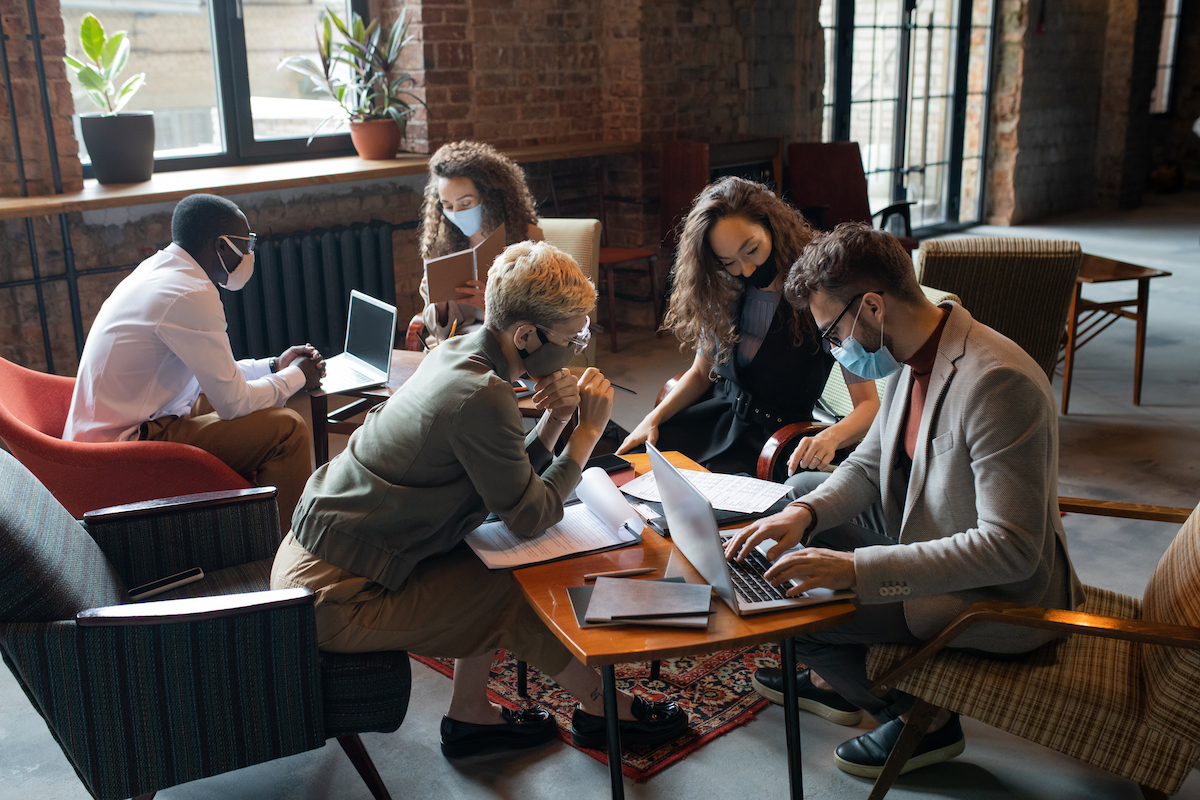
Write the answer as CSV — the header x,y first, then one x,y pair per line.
x,y
88,476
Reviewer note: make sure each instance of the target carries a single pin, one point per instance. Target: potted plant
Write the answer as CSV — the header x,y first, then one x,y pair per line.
x,y
121,145
356,71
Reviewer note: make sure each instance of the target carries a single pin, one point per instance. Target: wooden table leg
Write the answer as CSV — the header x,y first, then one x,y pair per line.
x,y
791,718
608,674
320,418
1072,333
1143,305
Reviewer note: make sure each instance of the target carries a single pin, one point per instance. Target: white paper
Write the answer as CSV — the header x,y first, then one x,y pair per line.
x,y
602,520
726,492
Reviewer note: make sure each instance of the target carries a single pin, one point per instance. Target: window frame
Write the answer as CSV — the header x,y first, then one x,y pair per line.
x,y
1168,68
230,65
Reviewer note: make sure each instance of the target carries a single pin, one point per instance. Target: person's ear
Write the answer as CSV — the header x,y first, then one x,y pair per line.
x,y
873,305
523,334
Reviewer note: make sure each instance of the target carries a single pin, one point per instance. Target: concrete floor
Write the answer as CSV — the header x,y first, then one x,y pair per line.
x,y
1109,449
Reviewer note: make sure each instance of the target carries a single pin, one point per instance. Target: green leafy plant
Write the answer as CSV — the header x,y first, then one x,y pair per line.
x,y
107,56
365,90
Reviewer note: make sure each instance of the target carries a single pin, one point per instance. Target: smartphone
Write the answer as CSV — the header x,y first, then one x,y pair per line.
x,y
523,387
166,584
609,463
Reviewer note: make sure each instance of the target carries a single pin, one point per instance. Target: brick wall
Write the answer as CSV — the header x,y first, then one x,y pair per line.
x,y
27,103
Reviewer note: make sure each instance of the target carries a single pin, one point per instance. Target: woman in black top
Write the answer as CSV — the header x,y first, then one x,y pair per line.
x,y
759,364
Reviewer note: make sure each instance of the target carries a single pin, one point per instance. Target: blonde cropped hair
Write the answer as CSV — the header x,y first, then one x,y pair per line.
x,y
536,281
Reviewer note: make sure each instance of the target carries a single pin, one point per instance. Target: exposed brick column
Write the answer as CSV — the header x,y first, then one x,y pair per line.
x,y
28,103
412,61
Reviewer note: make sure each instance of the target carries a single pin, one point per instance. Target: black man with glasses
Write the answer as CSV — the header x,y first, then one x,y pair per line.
x,y
157,364
963,459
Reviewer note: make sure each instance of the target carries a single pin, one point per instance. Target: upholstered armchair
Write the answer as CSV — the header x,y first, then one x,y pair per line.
x,y
214,676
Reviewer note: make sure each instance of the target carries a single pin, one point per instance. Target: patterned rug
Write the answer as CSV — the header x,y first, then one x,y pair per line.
x,y
713,689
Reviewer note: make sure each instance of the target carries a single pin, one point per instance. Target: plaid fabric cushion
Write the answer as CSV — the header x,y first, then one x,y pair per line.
x,y
1172,674
1080,696
365,691
49,567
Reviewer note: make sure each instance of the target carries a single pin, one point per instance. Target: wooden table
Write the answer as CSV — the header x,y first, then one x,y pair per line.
x,y
545,587
1095,316
404,364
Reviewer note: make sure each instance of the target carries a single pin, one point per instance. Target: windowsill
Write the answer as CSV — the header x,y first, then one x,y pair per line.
x,y
170,186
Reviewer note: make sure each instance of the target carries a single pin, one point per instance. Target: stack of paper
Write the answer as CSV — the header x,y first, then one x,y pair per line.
x,y
642,602
728,492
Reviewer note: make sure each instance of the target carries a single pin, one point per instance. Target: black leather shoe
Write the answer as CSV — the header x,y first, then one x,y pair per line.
x,y
653,724
865,755
768,682
526,727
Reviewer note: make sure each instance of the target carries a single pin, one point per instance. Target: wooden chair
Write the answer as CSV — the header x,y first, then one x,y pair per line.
x,y
829,186
1020,287
211,677
82,475
1120,691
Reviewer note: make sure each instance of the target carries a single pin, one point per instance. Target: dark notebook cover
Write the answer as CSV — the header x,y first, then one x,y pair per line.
x,y
650,602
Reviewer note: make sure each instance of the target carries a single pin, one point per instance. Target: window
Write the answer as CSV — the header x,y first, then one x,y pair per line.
x,y
908,81
1160,98
211,77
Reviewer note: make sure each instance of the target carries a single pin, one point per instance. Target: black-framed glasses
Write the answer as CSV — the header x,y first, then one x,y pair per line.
x,y
827,337
579,340
251,241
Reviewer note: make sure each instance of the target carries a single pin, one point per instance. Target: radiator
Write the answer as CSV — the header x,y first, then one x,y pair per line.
x,y
301,288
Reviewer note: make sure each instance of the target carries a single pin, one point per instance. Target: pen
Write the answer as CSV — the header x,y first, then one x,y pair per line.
x,y
622,388
620,573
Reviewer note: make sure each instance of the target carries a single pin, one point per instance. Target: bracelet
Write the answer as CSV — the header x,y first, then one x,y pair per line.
x,y
560,421
273,364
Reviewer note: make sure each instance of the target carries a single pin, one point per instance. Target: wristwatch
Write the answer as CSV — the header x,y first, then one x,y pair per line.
x,y
273,364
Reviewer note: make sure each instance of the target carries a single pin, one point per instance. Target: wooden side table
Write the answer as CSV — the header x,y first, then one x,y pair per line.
x,y
1087,318
545,587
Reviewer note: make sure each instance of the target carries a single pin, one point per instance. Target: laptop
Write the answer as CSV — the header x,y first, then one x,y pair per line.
x,y
694,531
367,359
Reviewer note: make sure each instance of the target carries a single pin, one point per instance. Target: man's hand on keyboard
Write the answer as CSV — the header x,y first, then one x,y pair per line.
x,y
813,568
786,528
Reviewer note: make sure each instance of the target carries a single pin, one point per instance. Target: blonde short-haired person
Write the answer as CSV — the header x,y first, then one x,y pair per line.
x,y
378,533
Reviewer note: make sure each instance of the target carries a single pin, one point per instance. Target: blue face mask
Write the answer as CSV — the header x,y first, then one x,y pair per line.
x,y
854,358
469,221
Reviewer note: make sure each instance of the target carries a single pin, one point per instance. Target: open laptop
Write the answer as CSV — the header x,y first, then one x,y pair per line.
x,y
367,359
694,531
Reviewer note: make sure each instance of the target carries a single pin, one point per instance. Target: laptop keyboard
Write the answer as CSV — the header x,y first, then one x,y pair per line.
x,y
345,374
748,580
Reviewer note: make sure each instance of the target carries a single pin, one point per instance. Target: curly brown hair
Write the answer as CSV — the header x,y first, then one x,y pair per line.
x,y
705,296
502,192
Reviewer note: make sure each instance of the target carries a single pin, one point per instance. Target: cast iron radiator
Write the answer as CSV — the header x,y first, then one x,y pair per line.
x,y
301,288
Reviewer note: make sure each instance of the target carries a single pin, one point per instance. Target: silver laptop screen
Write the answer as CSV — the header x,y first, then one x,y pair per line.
x,y
369,330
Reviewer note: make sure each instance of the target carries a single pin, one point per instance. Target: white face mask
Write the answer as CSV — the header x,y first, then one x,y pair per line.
x,y
469,221
239,275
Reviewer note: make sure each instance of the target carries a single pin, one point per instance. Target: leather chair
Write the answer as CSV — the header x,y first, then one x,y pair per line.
x,y
83,476
1119,691
1020,287
220,676
829,186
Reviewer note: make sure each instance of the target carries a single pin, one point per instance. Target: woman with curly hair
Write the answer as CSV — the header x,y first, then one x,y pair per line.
x,y
759,364
472,190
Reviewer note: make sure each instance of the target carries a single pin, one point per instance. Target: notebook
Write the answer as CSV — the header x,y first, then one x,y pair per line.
x,y
694,531
367,359
443,275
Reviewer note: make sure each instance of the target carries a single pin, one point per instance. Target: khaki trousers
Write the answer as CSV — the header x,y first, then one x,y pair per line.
x,y
451,606
271,446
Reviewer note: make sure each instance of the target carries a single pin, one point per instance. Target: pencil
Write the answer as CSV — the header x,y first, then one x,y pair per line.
x,y
622,388
620,573
453,328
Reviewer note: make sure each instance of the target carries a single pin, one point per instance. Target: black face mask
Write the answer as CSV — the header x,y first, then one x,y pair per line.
x,y
547,359
764,273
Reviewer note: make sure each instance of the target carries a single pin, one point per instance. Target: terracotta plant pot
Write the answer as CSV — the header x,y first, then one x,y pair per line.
x,y
376,139
121,146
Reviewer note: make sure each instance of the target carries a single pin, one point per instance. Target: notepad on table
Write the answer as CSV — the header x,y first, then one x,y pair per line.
x,y
602,520
445,274
641,602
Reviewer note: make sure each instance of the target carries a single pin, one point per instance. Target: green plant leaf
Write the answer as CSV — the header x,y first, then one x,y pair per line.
x,y
91,37
74,63
99,99
339,24
93,80
115,57
129,89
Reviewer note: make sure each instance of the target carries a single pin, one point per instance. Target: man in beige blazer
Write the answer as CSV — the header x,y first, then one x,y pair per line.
x,y
963,460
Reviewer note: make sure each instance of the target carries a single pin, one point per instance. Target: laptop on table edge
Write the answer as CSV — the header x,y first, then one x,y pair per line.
x,y
367,358
694,531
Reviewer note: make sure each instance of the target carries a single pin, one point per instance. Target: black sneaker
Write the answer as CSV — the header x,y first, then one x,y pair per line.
x,y
865,755
526,727
654,723
768,682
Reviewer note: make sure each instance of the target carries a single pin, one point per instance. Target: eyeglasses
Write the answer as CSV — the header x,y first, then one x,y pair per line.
x,y
252,240
579,340
828,339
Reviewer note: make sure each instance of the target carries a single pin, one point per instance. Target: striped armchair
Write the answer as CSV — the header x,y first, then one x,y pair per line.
x,y
1019,287
1120,691
218,676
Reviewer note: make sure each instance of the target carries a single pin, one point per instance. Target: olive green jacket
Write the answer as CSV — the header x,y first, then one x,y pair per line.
x,y
428,465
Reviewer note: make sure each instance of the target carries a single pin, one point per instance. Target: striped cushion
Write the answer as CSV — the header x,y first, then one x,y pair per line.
x,y
49,567
1172,675
1019,287
365,691
1080,696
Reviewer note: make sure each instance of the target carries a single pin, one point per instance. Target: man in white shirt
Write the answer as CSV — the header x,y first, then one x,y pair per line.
x,y
158,366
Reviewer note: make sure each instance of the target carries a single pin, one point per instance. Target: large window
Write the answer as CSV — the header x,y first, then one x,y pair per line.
x,y
1160,99
212,79
908,81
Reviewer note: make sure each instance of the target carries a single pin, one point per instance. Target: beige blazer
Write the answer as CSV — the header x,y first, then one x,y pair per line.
x,y
980,519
